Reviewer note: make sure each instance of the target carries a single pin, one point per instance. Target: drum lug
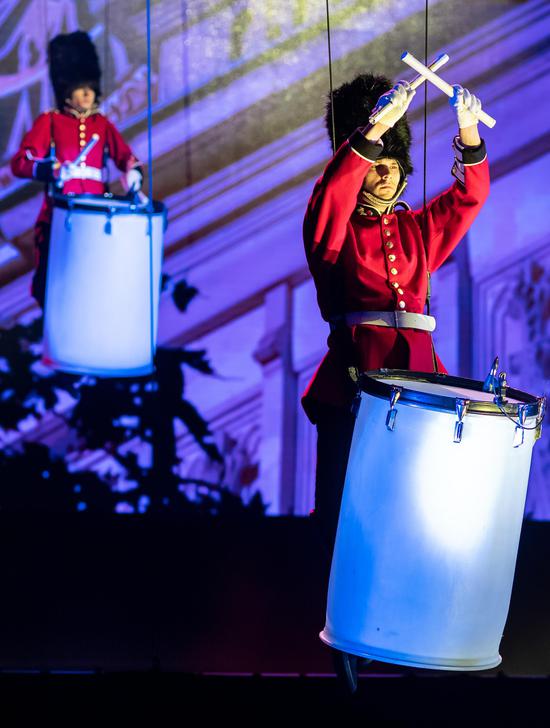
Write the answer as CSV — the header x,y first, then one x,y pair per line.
x,y
540,417
108,224
461,410
519,432
68,222
392,412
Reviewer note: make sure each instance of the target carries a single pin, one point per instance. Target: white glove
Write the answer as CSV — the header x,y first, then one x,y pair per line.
x,y
466,106
398,98
66,172
132,180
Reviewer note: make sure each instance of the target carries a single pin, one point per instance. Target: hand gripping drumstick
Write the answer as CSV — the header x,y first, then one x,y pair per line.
x,y
442,85
90,145
415,83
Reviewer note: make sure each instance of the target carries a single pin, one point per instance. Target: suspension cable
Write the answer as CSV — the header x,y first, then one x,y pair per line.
x,y
425,84
424,182
106,35
150,206
425,153
330,80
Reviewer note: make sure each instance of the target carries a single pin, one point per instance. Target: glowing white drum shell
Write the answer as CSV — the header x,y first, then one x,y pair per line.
x,y
427,536
99,318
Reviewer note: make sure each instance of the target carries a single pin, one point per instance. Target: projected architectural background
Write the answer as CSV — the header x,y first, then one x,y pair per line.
x,y
239,88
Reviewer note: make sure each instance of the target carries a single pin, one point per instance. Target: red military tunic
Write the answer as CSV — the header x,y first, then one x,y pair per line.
x,y
70,132
66,133
373,262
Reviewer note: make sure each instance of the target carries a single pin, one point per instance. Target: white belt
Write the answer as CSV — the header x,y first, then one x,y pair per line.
x,y
87,173
394,319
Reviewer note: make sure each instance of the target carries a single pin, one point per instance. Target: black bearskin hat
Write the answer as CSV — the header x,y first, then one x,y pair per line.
x,y
353,104
73,63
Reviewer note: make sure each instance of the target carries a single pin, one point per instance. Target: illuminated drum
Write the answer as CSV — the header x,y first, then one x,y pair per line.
x,y
103,285
430,521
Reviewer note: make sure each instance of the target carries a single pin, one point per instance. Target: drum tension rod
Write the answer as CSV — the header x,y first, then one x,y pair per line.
x,y
461,410
392,412
68,220
519,432
108,223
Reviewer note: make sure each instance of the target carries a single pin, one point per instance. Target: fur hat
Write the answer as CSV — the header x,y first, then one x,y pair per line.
x,y
73,63
353,104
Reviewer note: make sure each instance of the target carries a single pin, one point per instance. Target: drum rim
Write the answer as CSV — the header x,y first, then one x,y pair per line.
x,y
368,382
76,202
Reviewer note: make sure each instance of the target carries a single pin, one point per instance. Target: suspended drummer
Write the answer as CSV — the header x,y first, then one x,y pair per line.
x,y
68,147
370,256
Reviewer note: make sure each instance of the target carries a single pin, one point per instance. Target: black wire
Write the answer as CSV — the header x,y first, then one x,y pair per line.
x,y
425,108
150,206
517,423
45,26
106,33
330,81
424,183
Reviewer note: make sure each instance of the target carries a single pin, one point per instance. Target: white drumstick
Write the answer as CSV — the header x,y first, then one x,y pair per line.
x,y
434,66
87,149
90,145
415,83
442,85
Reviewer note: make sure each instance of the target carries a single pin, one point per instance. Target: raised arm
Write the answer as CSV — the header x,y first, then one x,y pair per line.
x,y
335,195
448,217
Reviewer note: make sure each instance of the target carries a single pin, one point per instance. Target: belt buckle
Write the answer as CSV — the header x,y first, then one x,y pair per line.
x,y
396,319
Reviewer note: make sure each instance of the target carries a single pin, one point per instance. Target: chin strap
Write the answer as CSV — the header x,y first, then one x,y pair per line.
x,y
383,207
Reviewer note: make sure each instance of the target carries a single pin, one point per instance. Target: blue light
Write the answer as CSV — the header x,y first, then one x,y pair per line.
x,y
143,503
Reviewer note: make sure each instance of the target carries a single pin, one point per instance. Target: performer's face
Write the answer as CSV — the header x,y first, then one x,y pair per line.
x,y
383,178
83,98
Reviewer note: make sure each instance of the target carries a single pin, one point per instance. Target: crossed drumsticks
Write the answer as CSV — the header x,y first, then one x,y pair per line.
x,y
427,73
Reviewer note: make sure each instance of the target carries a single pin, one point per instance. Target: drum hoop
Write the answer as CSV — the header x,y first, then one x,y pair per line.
x,y
369,383
77,203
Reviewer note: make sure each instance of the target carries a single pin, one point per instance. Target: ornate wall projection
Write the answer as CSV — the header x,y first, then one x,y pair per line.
x,y
516,324
239,89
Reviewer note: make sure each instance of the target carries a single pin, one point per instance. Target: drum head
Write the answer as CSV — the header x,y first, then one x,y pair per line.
x,y
105,203
440,392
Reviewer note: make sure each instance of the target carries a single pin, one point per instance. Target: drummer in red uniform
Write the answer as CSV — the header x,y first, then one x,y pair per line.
x,y
370,256
58,138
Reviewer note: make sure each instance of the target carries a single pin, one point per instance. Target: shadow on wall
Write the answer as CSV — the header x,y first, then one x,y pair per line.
x,y
124,426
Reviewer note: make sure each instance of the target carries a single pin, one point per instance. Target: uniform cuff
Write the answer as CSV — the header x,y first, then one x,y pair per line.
x,y
469,155
364,147
42,171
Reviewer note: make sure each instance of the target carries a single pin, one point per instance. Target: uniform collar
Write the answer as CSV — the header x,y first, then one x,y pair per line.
x,y
368,206
80,114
